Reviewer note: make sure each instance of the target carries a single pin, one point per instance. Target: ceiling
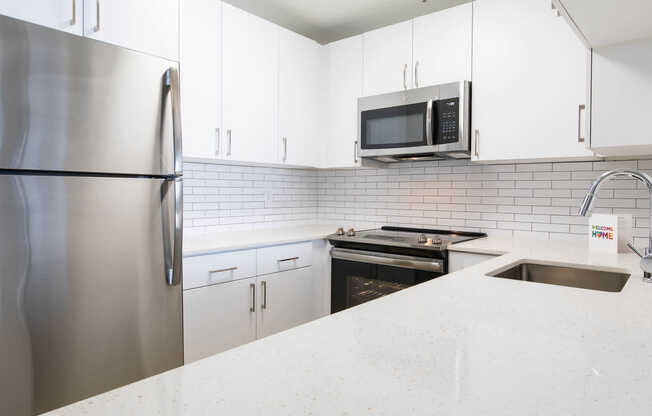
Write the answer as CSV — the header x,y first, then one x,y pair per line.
x,y
330,20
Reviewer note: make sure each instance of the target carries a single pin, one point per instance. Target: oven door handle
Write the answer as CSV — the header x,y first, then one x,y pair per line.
x,y
395,260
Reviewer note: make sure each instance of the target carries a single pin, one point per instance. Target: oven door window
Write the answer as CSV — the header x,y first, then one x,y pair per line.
x,y
354,283
402,126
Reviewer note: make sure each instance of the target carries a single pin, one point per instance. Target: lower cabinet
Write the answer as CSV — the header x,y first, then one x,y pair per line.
x,y
458,260
217,318
275,288
287,300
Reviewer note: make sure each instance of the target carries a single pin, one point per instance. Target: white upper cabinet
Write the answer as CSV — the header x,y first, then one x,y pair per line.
x,y
201,78
301,111
344,65
66,15
604,23
622,87
250,49
442,46
529,81
388,59
150,26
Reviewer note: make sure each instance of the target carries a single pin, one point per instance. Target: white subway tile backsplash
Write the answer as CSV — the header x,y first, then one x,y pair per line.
x,y
537,200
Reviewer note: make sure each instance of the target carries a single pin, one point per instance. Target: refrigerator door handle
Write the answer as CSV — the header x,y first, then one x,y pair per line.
x,y
177,254
172,81
174,265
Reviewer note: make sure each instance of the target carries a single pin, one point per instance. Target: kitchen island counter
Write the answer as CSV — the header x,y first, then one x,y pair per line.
x,y
462,344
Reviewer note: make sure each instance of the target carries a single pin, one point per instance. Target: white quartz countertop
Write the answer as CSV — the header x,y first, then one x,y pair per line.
x,y
197,244
462,344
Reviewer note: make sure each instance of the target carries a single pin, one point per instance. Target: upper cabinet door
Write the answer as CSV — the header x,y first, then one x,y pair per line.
x,y
622,87
201,78
388,59
63,15
529,80
250,86
443,46
301,112
150,26
344,89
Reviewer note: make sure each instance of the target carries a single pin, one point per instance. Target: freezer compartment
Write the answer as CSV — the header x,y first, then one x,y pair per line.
x,y
74,104
86,302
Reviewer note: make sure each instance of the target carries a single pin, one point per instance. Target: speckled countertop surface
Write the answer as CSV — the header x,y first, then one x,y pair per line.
x,y
206,243
463,344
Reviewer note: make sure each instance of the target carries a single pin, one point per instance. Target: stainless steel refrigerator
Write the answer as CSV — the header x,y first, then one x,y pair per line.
x,y
90,217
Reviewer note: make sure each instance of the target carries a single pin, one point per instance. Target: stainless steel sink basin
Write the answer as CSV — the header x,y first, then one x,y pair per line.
x,y
606,281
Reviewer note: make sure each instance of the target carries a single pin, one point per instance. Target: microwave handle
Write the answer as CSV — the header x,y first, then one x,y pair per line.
x,y
429,122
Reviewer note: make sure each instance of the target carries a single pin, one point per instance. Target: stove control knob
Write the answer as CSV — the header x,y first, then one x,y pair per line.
x,y
422,239
437,240
351,232
340,231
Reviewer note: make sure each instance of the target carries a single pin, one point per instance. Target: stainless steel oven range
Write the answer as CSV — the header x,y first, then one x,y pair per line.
x,y
369,264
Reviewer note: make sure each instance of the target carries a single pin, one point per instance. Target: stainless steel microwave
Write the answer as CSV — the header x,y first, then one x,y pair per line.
x,y
418,124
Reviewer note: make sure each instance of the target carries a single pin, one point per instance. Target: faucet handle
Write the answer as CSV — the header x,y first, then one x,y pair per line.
x,y
646,263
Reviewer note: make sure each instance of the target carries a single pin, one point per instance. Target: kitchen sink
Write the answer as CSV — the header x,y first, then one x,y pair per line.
x,y
572,276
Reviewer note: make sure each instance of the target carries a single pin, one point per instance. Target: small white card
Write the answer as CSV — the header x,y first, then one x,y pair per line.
x,y
610,233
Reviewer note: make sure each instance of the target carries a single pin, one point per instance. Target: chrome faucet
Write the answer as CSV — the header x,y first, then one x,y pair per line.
x,y
587,205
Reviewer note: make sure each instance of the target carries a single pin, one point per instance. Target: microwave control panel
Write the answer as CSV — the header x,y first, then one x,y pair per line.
x,y
446,126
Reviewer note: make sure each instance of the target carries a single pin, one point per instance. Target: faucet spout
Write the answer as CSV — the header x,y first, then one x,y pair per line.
x,y
587,206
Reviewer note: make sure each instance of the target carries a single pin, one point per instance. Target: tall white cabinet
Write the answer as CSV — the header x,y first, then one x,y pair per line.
x,y
529,81
150,26
344,67
300,110
201,78
250,86
65,15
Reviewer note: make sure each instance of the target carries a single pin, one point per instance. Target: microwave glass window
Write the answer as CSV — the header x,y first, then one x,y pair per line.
x,y
401,126
395,130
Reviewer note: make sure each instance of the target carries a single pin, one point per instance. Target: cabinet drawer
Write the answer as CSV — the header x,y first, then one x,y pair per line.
x,y
286,257
218,268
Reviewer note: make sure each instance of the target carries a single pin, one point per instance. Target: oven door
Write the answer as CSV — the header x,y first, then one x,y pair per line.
x,y
360,276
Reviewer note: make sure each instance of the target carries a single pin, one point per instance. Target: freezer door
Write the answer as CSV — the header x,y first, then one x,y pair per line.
x,y
86,304
74,104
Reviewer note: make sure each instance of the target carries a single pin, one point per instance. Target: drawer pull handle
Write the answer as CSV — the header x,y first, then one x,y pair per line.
x,y
230,269
290,259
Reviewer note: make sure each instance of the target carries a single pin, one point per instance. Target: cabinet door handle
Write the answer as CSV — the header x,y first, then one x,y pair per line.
x,y
253,297
405,77
228,138
217,142
97,16
355,152
73,21
285,149
263,286
290,259
477,143
580,108
416,74
230,269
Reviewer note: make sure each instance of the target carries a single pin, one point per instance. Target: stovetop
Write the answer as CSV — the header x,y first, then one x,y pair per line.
x,y
412,238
